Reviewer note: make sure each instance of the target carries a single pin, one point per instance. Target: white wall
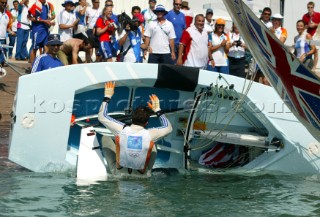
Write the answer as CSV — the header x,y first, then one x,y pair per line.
x,y
292,13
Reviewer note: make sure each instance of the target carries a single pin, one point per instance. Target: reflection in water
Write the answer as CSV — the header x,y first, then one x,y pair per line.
x,y
193,194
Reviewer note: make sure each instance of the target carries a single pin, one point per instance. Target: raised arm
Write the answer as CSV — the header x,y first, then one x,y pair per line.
x,y
109,122
166,127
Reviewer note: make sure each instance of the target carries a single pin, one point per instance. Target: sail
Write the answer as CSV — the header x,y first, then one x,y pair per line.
x,y
298,86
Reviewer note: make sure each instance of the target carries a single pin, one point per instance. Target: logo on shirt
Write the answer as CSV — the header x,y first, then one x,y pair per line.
x,y
134,143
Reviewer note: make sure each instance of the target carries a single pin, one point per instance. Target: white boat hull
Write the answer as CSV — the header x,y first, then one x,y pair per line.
x,y
43,141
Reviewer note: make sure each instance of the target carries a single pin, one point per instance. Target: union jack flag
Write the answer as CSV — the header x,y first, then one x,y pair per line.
x,y
296,85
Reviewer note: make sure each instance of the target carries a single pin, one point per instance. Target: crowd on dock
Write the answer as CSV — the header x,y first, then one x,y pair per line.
x,y
154,35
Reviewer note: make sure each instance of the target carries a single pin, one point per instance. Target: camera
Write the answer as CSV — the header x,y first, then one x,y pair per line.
x,y
238,43
124,20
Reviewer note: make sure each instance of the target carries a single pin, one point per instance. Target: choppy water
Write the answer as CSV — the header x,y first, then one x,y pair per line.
x,y
32,194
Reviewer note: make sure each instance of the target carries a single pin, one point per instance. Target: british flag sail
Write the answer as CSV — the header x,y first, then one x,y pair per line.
x,y
295,83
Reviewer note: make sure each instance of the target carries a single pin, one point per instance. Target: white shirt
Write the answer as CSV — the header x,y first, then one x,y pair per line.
x,y
149,16
160,34
14,13
92,16
267,24
196,47
208,26
24,19
66,18
234,51
219,56
4,20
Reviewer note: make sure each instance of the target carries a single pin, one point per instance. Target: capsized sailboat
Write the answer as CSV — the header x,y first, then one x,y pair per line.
x,y
248,120
219,121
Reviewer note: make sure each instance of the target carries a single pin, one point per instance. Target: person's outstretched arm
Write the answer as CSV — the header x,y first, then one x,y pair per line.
x,y
166,127
109,122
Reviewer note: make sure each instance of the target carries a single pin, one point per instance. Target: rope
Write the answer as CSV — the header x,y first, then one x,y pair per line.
x,y
235,111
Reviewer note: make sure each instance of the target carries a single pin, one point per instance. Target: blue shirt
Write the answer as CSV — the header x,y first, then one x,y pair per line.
x,y
81,17
36,26
115,19
179,23
45,61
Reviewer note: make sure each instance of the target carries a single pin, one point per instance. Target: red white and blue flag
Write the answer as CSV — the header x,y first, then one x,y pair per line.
x,y
294,82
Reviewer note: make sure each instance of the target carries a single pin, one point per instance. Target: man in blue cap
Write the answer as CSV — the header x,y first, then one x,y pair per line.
x,y
49,59
208,23
160,37
67,21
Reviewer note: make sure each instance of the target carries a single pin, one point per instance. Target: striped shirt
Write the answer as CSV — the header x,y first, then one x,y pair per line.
x,y
44,62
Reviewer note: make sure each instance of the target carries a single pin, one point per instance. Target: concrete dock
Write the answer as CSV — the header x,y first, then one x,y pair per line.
x,y
8,86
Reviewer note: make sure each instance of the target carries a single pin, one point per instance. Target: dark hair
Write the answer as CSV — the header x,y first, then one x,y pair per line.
x,y
300,21
135,8
141,115
264,10
198,15
311,3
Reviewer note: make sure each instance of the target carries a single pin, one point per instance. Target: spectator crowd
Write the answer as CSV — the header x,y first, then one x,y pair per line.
x,y
154,35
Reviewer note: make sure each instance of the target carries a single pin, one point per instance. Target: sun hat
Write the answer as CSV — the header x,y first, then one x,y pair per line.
x,y
160,7
68,1
220,21
185,4
54,39
277,16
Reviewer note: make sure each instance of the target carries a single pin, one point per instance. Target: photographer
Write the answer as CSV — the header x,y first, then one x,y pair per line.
x,y
105,30
131,40
236,55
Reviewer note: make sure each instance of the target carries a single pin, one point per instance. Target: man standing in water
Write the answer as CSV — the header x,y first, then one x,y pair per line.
x,y
48,60
134,151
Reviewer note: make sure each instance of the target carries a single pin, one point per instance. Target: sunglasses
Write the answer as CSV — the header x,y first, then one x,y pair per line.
x,y
109,5
267,14
96,2
177,4
4,3
220,25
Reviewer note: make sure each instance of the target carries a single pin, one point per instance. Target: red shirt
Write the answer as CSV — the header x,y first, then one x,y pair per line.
x,y
315,19
101,23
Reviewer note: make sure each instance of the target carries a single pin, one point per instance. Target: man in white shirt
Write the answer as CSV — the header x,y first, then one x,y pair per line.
x,y
67,21
80,12
160,37
23,29
5,25
92,14
208,23
13,34
193,48
149,14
